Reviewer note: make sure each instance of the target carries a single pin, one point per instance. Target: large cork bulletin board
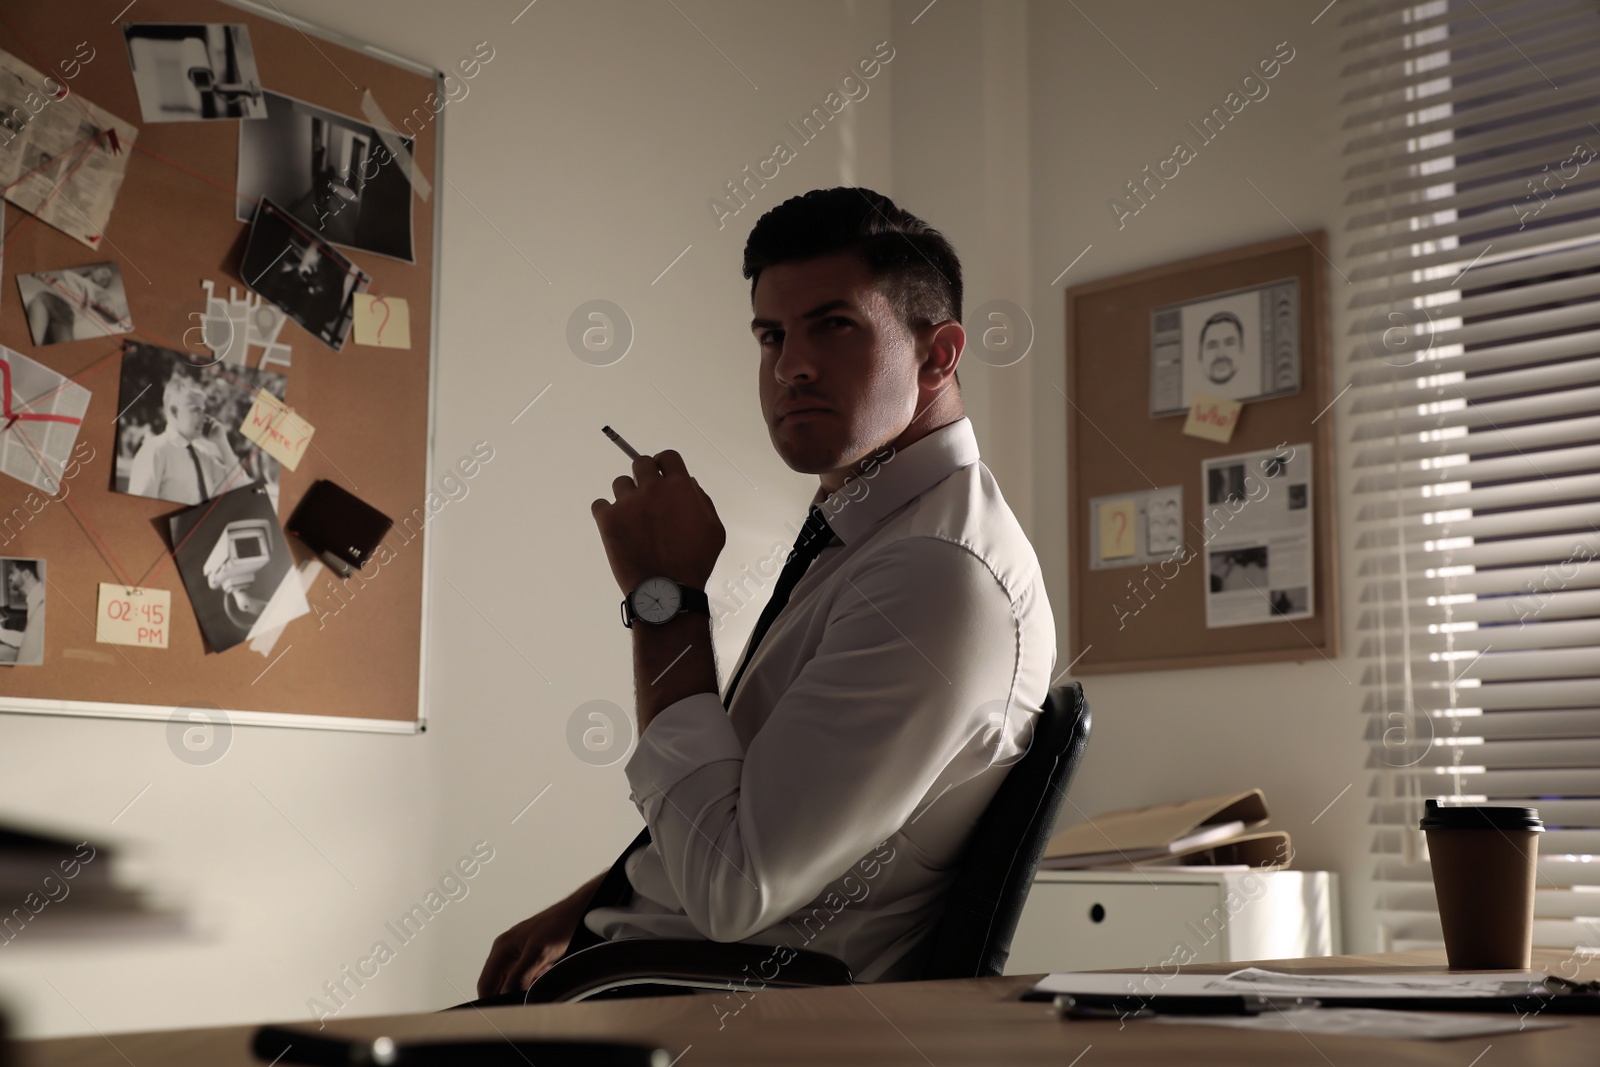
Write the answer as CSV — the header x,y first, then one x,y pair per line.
x,y
1152,616
356,661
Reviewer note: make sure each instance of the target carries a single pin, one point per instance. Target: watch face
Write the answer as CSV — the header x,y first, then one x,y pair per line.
x,y
656,599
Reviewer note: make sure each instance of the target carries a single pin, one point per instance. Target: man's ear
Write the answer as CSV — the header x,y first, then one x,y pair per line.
x,y
947,341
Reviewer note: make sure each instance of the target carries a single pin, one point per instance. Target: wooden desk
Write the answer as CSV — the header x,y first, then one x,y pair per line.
x,y
945,1024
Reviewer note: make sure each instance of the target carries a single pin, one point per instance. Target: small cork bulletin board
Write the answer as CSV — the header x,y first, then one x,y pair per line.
x,y
1213,546
186,213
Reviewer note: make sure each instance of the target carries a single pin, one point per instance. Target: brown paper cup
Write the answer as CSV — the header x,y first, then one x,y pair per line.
x,y
1484,864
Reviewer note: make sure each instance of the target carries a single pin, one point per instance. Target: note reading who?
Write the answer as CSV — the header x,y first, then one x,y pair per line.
x,y
382,321
1213,418
132,616
281,433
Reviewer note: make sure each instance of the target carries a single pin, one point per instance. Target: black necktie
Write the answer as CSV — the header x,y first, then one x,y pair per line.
x,y
198,475
814,536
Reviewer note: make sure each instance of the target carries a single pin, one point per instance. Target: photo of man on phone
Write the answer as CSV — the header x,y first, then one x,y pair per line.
x,y
178,427
191,459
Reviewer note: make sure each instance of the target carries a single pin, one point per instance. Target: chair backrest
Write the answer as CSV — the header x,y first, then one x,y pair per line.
x,y
973,936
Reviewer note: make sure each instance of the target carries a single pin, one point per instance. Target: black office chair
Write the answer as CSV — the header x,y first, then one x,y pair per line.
x,y
971,940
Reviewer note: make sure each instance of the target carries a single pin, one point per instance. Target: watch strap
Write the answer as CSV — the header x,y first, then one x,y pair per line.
x,y
693,600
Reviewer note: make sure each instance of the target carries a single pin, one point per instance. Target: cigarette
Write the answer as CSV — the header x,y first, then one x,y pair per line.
x,y
620,443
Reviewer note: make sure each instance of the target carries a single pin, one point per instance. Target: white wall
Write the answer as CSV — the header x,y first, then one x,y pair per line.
x,y
1078,99
1292,729
578,168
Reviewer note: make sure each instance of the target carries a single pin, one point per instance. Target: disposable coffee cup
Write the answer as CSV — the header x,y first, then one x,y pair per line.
x,y
1484,863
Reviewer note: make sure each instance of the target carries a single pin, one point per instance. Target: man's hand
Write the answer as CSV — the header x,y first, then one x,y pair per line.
x,y
218,436
662,523
528,949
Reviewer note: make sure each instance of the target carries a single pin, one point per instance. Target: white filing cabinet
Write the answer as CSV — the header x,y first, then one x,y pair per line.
x,y
1096,920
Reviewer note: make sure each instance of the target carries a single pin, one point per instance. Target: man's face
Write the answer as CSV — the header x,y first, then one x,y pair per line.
x,y
1219,352
830,340
15,581
186,413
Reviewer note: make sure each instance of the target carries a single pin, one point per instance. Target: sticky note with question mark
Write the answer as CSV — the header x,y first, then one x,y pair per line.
x,y
1117,529
382,321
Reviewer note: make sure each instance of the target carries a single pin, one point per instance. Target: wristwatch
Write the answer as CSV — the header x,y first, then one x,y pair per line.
x,y
659,600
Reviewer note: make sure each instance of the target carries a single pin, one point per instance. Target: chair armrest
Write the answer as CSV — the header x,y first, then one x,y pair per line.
x,y
679,962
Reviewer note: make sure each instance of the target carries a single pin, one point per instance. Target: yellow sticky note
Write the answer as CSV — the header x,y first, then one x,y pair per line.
x,y
382,321
1213,417
281,433
132,616
1116,530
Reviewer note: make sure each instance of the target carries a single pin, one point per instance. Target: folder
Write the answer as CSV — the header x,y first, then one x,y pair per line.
x,y
1206,831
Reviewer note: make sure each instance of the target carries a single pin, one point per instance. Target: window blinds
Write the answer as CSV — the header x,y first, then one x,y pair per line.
x,y
1472,429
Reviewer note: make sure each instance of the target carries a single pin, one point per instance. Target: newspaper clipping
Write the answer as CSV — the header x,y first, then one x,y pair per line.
x,y
1258,536
61,158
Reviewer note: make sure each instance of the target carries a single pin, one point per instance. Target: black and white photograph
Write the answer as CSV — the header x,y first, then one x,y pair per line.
x,y
1225,485
235,564
1242,345
1235,570
305,276
1275,527
75,303
178,433
1289,601
22,592
193,72
328,170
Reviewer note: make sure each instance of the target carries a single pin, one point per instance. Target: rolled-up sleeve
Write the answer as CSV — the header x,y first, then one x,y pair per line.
x,y
921,642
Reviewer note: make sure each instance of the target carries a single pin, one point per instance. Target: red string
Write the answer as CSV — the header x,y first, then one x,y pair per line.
x,y
166,557
88,528
54,189
18,416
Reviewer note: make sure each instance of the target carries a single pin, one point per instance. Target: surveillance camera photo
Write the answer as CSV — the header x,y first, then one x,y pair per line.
x,y
193,72
235,563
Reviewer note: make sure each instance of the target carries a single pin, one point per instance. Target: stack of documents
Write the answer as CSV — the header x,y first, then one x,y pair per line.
x,y
1352,1005
52,886
1209,831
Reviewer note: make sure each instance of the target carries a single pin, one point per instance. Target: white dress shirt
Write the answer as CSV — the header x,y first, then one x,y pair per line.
x,y
828,807
163,469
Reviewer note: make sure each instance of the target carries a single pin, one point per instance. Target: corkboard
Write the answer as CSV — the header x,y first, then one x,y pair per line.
x,y
356,661
1115,446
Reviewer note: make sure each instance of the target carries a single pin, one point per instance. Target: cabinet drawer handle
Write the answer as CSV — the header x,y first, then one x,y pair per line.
x,y
1097,914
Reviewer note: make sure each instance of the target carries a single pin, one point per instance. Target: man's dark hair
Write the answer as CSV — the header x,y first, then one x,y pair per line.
x,y
1219,319
916,266
27,566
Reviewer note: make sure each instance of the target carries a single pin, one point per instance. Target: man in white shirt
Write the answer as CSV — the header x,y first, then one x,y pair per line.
x,y
190,460
25,647
828,807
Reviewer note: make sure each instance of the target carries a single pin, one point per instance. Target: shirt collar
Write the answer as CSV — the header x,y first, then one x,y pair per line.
x,y
901,475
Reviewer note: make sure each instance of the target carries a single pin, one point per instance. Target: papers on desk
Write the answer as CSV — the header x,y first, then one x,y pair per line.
x,y
1275,984
1272,983
1161,994
1368,1022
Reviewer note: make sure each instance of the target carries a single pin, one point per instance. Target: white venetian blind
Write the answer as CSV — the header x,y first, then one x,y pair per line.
x,y
1472,249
